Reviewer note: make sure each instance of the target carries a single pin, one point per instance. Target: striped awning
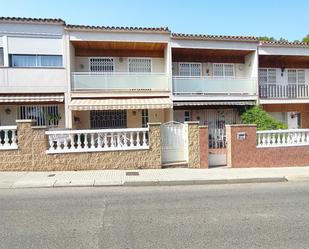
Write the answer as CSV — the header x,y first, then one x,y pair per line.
x,y
18,98
218,103
120,104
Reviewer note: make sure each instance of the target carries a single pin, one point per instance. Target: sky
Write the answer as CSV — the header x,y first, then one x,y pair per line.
x,y
277,18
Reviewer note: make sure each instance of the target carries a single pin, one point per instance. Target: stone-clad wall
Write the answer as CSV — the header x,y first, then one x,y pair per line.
x,y
32,145
203,150
245,154
193,145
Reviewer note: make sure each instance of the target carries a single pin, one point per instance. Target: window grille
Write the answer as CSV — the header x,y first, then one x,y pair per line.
x,y
301,79
145,118
137,65
292,76
108,119
223,70
189,69
267,75
101,64
41,114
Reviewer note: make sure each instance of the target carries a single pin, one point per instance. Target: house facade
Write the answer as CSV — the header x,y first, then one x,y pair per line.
x,y
85,77
283,82
33,71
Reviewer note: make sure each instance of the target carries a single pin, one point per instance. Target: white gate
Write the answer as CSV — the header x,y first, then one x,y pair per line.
x,y
174,142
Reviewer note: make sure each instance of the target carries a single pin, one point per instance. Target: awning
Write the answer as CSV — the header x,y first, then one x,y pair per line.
x,y
120,104
9,98
202,103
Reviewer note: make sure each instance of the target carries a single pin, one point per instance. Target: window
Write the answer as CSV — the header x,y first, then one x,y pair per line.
x,y
223,70
267,75
187,116
101,64
41,114
35,60
296,76
145,118
139,65
189,69
108,119
1,57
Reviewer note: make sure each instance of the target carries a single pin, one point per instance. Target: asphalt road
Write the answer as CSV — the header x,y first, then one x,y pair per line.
x,y
272,215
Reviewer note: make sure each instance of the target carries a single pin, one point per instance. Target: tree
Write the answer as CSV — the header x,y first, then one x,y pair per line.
x,y
263,121
283,40
306,39
266,38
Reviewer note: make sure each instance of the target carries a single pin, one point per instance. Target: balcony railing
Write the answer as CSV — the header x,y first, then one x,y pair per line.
x,y
292,91
213,85
85,81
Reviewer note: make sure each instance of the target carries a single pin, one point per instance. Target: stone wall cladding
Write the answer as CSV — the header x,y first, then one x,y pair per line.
x,y
203,142
32,145
193,145
245,154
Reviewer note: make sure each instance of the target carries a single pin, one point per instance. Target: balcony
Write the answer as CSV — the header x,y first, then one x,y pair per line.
x,y
93,81
32,80
287,91
206,85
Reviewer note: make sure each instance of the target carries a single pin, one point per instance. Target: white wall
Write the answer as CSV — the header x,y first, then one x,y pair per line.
x,y
283,51
25,29
119,36
82,64
203,44
35,45
32,80
240,69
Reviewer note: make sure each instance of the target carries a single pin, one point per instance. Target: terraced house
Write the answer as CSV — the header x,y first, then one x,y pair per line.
x,y
76,77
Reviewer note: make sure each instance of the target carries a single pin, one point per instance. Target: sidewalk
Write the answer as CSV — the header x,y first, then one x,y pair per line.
x,y
150,177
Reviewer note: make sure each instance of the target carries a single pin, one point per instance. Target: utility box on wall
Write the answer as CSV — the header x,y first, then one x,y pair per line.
x,y
241,135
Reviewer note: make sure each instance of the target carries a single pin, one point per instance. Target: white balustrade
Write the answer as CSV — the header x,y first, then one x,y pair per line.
x,y
8,138
282,138
67,141
291,91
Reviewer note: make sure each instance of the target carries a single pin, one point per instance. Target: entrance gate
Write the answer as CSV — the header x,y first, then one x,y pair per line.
x,y
174,142
216,121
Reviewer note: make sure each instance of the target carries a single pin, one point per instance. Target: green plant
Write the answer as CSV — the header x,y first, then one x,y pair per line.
x,y
306,39
54,119
263,121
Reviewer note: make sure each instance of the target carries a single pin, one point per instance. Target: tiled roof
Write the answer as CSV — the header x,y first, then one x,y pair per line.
x,y
215,37
114,28
283,44
32,20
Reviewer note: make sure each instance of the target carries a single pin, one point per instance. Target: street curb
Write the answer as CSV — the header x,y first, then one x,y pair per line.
x,y
204,182
159,183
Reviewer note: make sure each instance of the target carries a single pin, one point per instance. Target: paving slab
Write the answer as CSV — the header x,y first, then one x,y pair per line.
x,y
174,176
35,180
